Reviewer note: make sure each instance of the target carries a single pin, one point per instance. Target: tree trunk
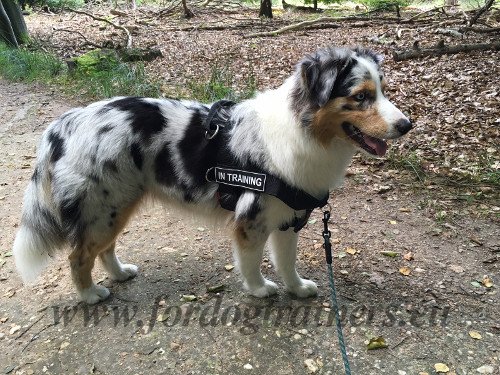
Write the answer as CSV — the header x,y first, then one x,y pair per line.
x,y
187,12
315,3
13,30
6,33
265,9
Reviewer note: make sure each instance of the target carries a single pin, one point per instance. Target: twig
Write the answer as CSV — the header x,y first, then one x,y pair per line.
x,y
29,327
124,29
36,335
79,33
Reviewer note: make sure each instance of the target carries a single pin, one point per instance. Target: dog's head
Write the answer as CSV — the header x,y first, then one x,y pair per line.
x,y
339,93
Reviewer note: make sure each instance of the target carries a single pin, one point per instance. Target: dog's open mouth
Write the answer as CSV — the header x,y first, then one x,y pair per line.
x,y
374,146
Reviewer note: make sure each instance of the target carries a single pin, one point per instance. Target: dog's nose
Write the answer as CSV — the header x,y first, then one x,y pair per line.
x,y
403,126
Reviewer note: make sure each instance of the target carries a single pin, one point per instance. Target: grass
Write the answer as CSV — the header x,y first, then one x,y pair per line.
x,y
107,76
409,161
220,86
24,65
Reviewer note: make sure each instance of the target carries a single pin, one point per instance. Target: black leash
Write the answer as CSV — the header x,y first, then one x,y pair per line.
x,y
333,296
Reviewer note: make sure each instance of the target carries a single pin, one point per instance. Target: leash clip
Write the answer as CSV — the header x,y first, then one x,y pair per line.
x,y
326,236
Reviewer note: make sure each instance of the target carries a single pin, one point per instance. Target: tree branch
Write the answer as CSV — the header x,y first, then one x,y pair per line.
x,y
124,29
487,5
79,33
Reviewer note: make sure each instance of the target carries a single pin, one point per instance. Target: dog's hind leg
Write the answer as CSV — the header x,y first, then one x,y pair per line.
x,y
82,260
99,239
284,254
248,250
117,270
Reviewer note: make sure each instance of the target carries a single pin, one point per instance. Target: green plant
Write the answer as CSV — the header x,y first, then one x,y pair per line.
x,y
24,65
385,4
96,74
101,73
409,161
220,86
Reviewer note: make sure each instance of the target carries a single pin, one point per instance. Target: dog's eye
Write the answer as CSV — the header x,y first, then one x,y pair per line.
x,y
360,96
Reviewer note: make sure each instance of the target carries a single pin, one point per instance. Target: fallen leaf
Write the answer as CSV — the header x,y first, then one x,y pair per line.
x,y
188,298
405,271
174,346
391,254
393,222
215,288
486,369
312,221
311,365
228,267
457,269
487,282
351,250
475,335
408,256
161,318
64,345
441,367
14,329
377,343
475,284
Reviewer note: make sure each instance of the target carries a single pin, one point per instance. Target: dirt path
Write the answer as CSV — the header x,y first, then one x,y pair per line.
x,y
145,328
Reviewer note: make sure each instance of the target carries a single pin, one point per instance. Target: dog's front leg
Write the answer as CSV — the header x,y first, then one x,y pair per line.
x,y
284,253
248,249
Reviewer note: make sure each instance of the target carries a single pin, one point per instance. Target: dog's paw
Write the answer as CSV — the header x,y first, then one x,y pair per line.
x,y
94,294
126,271
268,289
306,288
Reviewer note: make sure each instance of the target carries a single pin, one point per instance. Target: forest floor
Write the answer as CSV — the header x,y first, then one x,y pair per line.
x,y
432,205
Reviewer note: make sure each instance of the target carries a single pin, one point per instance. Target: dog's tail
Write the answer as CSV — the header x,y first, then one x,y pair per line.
x,y
40,232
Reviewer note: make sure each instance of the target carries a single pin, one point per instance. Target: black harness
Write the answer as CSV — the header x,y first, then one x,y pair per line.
x,y
235,177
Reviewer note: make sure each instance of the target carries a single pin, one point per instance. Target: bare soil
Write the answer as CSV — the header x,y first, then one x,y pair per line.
x,y
432,302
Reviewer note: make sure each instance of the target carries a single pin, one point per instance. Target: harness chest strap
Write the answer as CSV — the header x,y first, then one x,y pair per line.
x,y
234,178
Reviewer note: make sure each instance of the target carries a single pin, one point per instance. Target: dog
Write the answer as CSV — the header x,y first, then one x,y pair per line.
x,y
95,165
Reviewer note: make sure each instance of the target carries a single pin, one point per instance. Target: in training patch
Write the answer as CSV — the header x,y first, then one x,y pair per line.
x,y
239,178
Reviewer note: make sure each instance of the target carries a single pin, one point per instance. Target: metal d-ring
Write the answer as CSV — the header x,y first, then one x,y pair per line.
x,y
210,136
206,174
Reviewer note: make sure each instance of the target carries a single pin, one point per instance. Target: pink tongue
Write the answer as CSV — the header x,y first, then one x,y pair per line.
x,y
378,145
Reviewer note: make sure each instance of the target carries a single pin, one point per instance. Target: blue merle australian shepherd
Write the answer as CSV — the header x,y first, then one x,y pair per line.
x,y
95,165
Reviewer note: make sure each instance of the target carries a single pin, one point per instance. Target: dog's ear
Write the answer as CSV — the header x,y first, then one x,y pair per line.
x,y
369,54
318,79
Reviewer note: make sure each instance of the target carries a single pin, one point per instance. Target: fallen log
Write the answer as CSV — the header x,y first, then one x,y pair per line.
x,y
441,49
296,26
